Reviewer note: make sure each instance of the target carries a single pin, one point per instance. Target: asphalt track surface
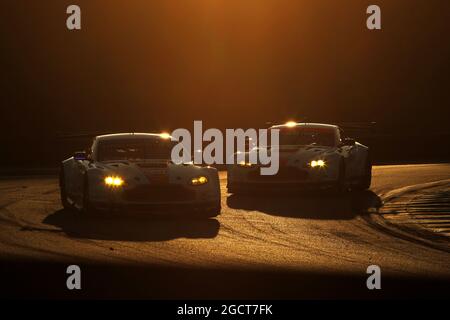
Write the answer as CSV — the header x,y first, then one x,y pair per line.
x,y
274,246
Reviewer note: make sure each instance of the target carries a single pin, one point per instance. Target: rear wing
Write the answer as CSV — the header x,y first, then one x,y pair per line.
x,y
358,129
68,143
80,136
345,126
356,125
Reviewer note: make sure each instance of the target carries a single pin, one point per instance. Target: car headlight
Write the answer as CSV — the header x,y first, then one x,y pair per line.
x,y
317,164
198,181
113,181
245,164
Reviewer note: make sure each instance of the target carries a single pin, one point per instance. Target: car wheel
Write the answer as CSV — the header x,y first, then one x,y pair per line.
x,y
341,186
62,188
366,180
212,212
231,190
240,191
87,206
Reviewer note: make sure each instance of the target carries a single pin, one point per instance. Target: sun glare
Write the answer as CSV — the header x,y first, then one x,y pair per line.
x,y
165,135
291,124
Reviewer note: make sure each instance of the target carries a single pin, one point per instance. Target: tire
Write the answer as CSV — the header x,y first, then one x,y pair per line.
x,y
366,180
87,206
62,188
340,186
239,191
211,212
231,190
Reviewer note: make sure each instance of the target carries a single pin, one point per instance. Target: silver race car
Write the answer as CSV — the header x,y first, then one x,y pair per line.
x,y
311,156
133,171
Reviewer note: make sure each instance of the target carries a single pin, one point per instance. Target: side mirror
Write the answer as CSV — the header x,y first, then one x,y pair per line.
x,y
80,155
348,142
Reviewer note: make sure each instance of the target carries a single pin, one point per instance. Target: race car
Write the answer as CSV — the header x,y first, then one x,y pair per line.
x,y
311,156
133,172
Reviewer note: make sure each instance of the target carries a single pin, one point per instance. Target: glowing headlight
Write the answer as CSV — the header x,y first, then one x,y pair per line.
x,y
245,164
113,181
197,181
317,163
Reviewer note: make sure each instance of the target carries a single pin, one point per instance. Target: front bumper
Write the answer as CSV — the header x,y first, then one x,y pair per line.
x,y
152,198
287,178
161,207
280,186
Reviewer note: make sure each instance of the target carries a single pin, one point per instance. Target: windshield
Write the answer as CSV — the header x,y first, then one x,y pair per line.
x,y
308,136
134,149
